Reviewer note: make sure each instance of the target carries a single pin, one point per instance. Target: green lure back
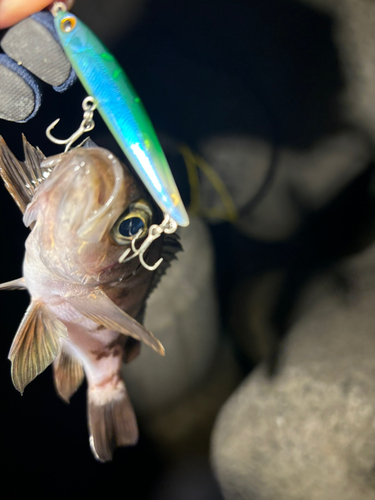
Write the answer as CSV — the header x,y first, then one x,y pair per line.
x,y
122,111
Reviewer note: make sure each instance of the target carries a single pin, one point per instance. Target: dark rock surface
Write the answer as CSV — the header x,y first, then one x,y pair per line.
x,y
355,41
304,180
308,433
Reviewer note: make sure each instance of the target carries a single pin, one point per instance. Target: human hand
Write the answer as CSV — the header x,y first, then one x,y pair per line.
x,y
13,11
24,60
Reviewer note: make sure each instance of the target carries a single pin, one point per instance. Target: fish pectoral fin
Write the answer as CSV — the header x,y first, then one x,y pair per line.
x,y
68,375
18,284
36,344
99,308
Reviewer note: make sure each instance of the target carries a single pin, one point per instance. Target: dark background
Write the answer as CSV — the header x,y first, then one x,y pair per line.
x,y
266,68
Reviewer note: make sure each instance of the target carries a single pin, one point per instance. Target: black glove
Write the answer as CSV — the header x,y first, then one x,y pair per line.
x,y
32,53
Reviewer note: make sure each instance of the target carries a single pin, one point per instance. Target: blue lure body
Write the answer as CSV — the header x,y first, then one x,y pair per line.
x,y
122,111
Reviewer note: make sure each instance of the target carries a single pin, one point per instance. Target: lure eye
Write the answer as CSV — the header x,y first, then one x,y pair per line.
x,y
136,220
67,24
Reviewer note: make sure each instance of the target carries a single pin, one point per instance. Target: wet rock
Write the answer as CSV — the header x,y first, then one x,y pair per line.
x,y
304,180
182,312
309,432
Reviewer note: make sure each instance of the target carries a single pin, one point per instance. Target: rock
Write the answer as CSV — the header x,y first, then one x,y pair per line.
x,y
304,181
241,162
355,41
183,427
252,303
188,479
308,433
182,312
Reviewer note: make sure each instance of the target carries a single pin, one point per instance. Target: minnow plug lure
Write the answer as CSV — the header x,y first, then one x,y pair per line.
x,y
122,111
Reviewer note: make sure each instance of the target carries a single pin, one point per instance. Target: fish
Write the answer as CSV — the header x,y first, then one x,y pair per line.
x,y
121,109
86,311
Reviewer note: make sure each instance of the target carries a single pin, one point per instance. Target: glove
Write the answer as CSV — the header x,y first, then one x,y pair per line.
x,y
32,53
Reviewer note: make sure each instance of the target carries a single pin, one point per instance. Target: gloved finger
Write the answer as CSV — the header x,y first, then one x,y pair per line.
x,y
32,52
34,44
20,94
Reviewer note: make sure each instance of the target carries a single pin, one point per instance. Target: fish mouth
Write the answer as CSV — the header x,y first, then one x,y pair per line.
x,y
103,213
86,192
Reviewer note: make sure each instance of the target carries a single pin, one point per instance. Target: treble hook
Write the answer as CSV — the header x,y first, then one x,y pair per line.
x,y
87,124
168,226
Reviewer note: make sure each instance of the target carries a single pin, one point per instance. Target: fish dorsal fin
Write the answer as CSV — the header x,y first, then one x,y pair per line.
x,y
68,375
21,178
171,246
32,164
88,143
18,284
99,308
36,344
13,176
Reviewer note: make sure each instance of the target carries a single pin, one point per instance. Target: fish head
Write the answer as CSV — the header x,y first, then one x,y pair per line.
x,y
86,213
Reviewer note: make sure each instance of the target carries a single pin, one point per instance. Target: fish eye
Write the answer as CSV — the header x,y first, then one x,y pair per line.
x,y
67,24
135,221
130,227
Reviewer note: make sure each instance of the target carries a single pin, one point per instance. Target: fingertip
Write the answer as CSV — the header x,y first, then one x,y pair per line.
x,y
13,11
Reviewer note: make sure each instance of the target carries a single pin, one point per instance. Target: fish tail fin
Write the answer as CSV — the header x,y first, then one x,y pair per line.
x,y
112,421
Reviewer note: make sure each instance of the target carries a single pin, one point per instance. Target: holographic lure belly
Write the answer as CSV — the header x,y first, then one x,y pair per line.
x,y
121,109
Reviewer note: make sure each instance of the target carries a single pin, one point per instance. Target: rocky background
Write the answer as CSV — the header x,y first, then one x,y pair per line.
x,y
267,391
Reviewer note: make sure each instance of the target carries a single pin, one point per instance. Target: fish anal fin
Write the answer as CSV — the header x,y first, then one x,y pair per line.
x,y
36,344
112,422
18,284
99,308
132,350
68,375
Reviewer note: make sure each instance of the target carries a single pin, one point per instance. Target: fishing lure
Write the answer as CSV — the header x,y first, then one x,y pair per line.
x,y
122,111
